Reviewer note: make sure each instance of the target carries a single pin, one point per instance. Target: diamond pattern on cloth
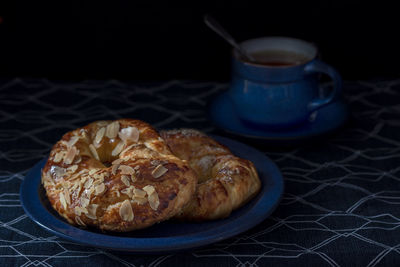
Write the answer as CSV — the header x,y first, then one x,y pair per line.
x,y
341,205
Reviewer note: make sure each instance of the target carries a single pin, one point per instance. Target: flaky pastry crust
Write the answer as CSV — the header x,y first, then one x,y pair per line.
x,y
225,182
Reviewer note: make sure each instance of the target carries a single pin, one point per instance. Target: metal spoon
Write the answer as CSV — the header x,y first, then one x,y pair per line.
x,y
215,26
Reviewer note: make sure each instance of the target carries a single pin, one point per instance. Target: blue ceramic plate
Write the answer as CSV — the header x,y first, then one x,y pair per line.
x,y
167,236
324,120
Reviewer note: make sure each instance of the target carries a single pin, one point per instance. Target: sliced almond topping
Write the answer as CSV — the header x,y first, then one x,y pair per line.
x,y
72,169
58,171
112,129
129,134
58,156
94,152
140,200
125,180
138,193
90,191
125,211
154,201
159,171
101,123
149,189
117,161
127,191
67,196
84,202
71,153
88,183
125,169
118,148
127,148
114,169
93,171
117,192
92,211
99,189
99,135
77,210
62,200
98,181
79,221
72,141
79,159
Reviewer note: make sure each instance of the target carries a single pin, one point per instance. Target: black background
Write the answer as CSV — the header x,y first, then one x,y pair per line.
x,y
158,40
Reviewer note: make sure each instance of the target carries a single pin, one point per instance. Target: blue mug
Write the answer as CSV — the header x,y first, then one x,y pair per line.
x,y
281,94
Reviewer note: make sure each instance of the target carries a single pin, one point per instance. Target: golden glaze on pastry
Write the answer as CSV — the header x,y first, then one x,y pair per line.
x,y
225,182
116,175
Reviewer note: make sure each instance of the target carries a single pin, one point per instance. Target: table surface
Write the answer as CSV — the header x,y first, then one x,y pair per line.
x,y
341,205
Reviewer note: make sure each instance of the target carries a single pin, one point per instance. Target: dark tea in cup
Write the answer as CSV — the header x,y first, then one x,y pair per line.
x,y
279,58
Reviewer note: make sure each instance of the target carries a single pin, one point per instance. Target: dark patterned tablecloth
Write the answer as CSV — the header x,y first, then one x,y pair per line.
x,y
341,205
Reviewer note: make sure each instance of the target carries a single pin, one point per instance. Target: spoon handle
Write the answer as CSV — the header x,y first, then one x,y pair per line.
x,y
215,26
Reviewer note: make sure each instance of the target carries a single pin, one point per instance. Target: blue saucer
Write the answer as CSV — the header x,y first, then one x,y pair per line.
x,y
167,236
322,121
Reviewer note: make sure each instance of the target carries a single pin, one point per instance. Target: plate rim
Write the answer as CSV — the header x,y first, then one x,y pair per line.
x,y
155,244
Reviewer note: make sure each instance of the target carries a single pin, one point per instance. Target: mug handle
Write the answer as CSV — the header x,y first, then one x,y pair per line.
x,y
317,66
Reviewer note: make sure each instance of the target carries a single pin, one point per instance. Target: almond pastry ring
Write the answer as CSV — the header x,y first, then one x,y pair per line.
x,y
116,175
225,182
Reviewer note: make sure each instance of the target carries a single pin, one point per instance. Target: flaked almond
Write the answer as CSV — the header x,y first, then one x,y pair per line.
x,y
117,192
99,189
72,141
92,211
127,148
78,160
79,221
84,202
140,200
90,191
102,123
127,191
159,171
58,156
71,153
112,129
125,211
118,148
125,180
139,193
154,201
67,196
62,200
117,161
98,181
93,171
99,135
77,210
114,169
129,134
94,152
72,168
125,169
88,183
58,171
149,189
